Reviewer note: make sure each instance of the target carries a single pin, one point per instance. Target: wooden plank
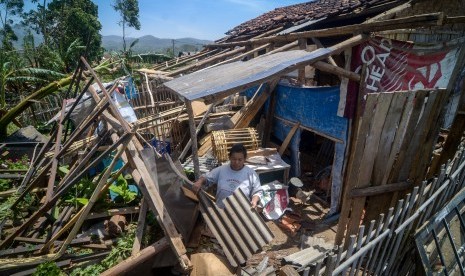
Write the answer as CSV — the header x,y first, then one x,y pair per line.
x,y
368,157
357,145
388,137
57,146
288,138
402,128
186,60
194,144
199,107
380,204
197,130
377,190
241,56
144,255
269,120
413,150
410,122
111,212
205,62
256,105
140,227
283,48
429,137
336,70
301,70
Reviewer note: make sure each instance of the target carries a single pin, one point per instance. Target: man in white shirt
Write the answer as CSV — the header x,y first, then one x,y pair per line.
x,y
231,176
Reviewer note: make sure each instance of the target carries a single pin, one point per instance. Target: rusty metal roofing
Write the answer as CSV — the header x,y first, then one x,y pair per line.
x,y
240,231
297,14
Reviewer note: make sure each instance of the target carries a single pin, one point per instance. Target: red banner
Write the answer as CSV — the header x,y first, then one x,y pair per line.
x,y
397,66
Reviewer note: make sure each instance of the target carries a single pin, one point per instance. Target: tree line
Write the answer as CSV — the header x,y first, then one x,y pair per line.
x,y
69,28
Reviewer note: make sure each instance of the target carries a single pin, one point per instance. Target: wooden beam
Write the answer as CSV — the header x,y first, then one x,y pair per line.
x,y
284,48
57,146
241,56
133,261
379,190
291,123
256,105
289,136
193,132
184,61
301,70
205,62
140,228
269,120
422,20
329,68
320,45
199,127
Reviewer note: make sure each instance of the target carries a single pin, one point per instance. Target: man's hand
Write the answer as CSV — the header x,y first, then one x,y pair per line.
x,y
254,201
197,185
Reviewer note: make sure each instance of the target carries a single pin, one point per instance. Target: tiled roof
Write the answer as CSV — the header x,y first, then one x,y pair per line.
x,y
299,13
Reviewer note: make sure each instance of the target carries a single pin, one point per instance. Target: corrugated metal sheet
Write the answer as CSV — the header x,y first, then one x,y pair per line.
x,y
229,78
300,26
307,256
240,231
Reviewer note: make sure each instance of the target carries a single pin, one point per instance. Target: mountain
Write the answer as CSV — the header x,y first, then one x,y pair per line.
x,y
146,44
152,44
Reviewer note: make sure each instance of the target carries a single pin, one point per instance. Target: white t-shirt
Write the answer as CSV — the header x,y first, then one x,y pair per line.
x,y
228,180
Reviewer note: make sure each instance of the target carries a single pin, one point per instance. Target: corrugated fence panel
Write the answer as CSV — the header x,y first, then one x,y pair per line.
x,y
240,231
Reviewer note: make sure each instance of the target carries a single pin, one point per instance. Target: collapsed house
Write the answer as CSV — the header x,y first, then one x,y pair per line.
x,y
357,91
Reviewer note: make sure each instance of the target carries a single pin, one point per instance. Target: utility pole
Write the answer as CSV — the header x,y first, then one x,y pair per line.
x,y
172,40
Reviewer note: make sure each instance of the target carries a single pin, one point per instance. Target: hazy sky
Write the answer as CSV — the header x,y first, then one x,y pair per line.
x,y
203,19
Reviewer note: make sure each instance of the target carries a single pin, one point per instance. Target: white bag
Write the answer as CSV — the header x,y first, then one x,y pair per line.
x,y
124,107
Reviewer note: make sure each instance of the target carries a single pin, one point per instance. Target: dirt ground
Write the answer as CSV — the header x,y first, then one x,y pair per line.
x,y
313,228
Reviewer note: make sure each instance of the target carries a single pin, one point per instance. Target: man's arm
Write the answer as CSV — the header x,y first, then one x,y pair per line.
x,y
257,190
198,184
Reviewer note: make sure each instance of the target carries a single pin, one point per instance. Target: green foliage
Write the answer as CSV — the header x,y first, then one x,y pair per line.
x,y
11,129
121,251
129,16
48,269
190,174
9,9
5,207
65,25
121,188
82,192
19,164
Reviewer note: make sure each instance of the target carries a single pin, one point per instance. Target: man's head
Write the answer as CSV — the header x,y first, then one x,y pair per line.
x,y
237,156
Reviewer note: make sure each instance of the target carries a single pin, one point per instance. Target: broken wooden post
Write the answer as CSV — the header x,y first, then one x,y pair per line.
x,y
193,132
288,139
140,227
133,261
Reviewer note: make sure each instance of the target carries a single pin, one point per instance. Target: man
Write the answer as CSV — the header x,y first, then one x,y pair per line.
x,y
231,176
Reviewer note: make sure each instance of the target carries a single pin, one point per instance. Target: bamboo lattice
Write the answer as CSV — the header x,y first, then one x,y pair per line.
x,y
222,140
